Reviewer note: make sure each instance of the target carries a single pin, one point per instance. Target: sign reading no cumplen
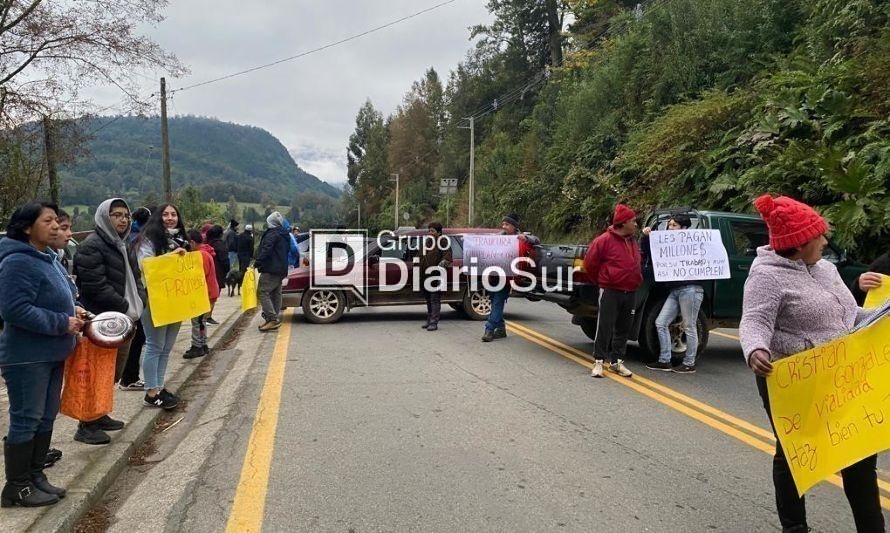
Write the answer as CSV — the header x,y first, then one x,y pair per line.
x,y
176,286
688,255
831,405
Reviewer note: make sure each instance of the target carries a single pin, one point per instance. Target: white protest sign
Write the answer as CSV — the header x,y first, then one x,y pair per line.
x,y
687,255
490,251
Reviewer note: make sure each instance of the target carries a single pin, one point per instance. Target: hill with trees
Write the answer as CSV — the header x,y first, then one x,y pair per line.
x,y
219,159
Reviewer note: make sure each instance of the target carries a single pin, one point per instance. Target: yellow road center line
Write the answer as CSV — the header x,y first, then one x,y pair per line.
x,y
726,417
632,383
721,334
250,496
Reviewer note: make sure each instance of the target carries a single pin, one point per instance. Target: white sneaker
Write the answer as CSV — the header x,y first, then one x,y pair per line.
x,y
620,369
597,371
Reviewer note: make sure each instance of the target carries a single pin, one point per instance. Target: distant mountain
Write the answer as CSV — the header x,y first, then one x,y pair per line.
x,y
219,158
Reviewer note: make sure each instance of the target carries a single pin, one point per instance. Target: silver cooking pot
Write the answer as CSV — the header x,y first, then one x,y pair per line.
x,y
109,329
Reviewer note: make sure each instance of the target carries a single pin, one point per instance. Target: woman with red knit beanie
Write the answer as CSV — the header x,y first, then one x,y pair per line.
x,y
795,300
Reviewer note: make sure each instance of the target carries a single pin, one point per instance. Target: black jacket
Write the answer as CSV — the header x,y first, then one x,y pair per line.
x,y
101,276
231,239
271,257
220,261
245,248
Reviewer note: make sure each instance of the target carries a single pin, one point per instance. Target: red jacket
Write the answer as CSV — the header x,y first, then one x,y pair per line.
x,y
207,254
613,262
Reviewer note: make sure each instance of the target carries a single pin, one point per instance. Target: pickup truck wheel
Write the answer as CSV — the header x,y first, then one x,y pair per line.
x,y
477,305
588,326
323,306
649,334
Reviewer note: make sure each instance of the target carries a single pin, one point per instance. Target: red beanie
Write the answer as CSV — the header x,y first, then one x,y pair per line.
x,y
622,214
791,223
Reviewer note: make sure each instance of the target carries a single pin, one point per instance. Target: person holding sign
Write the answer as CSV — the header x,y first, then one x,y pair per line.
x,y
164,233
613,262
685,297
795,300
495,327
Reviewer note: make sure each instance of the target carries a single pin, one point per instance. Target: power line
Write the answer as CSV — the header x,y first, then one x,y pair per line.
x,y
314,50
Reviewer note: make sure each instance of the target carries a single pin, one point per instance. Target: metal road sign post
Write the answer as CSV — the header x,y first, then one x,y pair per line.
x,y
447,188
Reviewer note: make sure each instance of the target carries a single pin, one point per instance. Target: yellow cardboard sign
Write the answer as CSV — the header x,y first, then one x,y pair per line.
x,y
831,404
177,289
248,290
876,297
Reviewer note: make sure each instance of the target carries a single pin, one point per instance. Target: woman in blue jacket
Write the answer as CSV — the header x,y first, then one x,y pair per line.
x,y
41,322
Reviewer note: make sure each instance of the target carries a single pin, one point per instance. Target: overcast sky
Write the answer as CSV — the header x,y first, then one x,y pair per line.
x,y
309,103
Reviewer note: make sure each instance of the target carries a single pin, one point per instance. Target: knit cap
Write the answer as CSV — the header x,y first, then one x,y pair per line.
x,y
622,214
791,223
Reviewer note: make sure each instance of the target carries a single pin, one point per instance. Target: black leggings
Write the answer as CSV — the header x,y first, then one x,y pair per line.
x,y
860,486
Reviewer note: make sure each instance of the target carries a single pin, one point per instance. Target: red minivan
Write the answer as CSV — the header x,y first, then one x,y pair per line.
x,y
327,305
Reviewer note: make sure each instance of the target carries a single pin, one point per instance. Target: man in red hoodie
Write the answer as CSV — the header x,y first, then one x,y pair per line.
x,y
199,323
613,263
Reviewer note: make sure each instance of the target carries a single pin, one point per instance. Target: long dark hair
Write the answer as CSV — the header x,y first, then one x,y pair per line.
x,y
24,217
155,232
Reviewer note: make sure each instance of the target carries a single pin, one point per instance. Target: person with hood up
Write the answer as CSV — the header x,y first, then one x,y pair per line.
x,y
41,321
245,248
794,300
231,239
293,253
613,262
199,323
108,279
271,263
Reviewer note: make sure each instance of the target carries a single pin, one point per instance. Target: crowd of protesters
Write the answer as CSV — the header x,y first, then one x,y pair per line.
x,y
53,301
792,299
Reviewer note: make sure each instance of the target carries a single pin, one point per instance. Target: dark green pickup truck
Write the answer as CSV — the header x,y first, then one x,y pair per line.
x,y
722,306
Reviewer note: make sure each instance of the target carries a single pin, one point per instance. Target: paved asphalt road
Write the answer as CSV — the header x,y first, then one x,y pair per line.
x,y
382,426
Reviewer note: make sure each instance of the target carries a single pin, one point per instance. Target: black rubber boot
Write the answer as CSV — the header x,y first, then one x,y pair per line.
x,y
500,333
19,489
38,458
488,336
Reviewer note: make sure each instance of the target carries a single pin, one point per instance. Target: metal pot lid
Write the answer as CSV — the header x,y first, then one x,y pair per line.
x,y
111,325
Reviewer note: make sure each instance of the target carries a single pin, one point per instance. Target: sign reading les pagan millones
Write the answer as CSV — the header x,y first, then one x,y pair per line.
x,y
688,255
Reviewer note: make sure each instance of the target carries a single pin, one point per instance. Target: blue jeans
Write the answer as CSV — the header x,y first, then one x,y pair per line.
x,y
35,392
233,258
158,345
687,301
498,300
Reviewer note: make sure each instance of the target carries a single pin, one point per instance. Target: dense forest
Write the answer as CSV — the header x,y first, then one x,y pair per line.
x,y
219,159
578,104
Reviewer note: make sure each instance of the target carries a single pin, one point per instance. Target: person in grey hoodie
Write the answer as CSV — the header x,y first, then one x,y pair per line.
x,y
793,301
108,279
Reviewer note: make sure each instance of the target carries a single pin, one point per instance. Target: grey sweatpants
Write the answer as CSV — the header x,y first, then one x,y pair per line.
x,y
269,294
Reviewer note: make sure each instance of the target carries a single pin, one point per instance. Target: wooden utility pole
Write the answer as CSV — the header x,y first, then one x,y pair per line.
x,y
165,143
472,187
50,151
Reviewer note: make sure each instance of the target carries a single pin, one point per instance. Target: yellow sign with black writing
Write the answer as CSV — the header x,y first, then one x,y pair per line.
x,y
831,405
177,289
876,297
